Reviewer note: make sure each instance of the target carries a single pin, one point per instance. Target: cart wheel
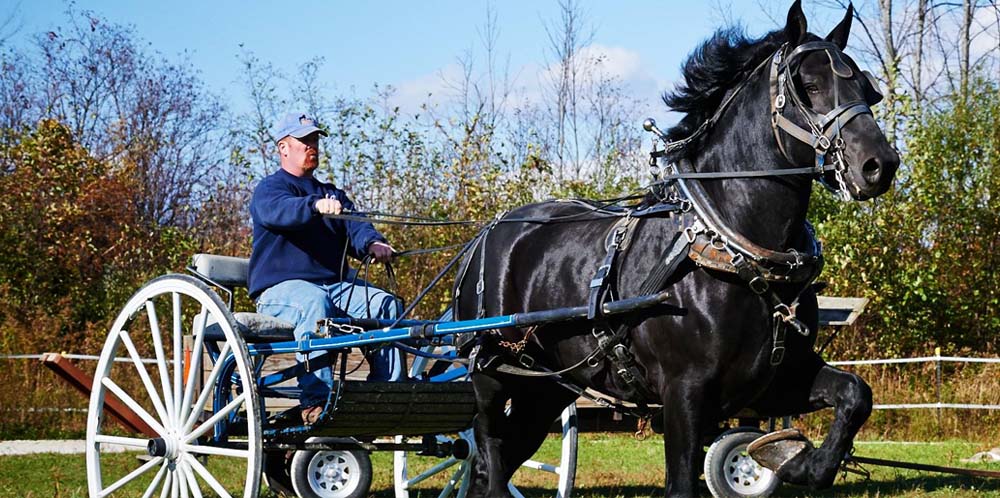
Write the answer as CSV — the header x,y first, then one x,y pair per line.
x,y
331,473
456,481
277,473
731,473
170,397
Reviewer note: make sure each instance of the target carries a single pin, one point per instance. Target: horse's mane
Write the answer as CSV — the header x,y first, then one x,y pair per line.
x,y
711,70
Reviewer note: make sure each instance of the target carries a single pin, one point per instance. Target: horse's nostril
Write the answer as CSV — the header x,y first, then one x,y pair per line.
x,y
871,170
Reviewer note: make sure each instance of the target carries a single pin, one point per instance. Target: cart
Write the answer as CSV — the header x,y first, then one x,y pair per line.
x,y
205,404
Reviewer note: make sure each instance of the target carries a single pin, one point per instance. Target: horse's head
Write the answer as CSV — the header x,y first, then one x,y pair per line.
x,y
821,110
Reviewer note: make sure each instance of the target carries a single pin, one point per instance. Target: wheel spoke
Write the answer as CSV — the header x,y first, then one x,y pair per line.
x,y
206,476
199,405
129,477
208,424
168,484
182,482
156,481
432,471
175,485
131,442
195,366
545,467
215,450
144,375
178,334
514,491
161,357
192,482
466,478
131,403
455,479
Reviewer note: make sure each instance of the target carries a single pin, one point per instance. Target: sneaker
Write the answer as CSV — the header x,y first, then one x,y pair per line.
x,y
311,414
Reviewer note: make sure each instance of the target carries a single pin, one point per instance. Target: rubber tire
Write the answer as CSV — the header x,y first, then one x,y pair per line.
x,y
718,467
302,465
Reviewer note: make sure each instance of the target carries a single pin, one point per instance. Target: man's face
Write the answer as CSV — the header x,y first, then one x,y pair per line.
x,y
302,152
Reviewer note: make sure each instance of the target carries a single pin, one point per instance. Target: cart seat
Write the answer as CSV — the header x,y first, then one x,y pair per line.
x,y
227,271
231,272
254,327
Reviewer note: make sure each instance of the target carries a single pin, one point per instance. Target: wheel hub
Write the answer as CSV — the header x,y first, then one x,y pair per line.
x,y
333,476
163,447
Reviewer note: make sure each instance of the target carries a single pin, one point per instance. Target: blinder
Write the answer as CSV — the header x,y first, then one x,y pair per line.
x,y
873,90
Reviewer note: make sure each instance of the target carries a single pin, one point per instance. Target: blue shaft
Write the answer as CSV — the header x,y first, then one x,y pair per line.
x,y
431,330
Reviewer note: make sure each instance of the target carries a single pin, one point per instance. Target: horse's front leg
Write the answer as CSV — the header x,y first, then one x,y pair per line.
x,y
852,401
683,421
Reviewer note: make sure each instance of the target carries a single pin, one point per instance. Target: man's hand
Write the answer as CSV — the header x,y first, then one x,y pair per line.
x,y
380,251
328,206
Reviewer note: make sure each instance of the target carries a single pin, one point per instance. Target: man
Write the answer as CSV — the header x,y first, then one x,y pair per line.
x,y
297,267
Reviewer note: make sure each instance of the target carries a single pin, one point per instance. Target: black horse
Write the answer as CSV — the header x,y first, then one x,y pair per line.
x,y
789,107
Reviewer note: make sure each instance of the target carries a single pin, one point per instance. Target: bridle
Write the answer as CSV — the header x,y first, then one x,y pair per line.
x,y
824,134
713,244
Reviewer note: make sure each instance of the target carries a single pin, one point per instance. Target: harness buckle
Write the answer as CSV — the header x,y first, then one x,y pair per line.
x,y
599,276
822,143
779,101
777,354
718,243
758,284
526,361
480,286
691,232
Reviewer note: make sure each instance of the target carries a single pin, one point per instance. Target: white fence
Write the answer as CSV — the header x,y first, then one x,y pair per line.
x,y
938,360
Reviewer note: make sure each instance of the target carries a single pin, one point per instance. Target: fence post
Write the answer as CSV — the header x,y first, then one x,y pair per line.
x,y
937,384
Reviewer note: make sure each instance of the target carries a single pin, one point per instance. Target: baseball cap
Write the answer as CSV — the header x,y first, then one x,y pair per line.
x,y
294,124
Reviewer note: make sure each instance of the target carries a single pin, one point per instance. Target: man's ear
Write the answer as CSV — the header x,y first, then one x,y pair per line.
x,y
282,147
842,32
795,27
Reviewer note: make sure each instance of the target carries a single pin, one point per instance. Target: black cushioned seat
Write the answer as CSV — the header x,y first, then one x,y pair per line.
x,y
230,271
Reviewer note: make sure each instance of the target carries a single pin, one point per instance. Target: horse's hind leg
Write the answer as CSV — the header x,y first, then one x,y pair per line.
x,y
851,399
505,440
532,411
486,475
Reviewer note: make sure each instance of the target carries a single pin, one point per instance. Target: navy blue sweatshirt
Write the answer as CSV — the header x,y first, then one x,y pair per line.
x,y
291,240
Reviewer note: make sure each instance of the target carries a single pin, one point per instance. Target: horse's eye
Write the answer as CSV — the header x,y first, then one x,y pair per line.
x,y
812,89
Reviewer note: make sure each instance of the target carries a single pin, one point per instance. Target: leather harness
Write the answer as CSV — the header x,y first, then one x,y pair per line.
x,y
705,238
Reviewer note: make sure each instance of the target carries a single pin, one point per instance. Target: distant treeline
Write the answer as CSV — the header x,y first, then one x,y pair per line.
x,y
117,164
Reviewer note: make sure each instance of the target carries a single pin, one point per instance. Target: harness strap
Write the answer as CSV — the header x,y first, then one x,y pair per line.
x,y
481,283
616,242
616,346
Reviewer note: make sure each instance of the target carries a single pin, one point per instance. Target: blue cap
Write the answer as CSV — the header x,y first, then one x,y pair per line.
x,y
294,124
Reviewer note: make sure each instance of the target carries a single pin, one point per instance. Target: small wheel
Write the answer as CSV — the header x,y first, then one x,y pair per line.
x,y
731,473
457,480
277,473
175,422
331,473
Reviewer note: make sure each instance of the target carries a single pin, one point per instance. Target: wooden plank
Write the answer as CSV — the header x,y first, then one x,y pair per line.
x,y
840,311
82,382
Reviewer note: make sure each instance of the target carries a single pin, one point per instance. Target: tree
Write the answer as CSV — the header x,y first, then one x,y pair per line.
x,y
143,114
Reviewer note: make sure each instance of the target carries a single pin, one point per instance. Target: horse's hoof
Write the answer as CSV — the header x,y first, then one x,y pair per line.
x,y
777,448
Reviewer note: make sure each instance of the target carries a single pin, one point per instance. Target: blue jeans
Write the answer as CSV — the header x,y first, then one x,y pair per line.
x,y
304,303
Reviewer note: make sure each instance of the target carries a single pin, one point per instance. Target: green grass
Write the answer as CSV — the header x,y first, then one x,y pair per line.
x,y
610,466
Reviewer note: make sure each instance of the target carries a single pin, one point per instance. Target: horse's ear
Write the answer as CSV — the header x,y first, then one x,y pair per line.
x,y
795,27
842,32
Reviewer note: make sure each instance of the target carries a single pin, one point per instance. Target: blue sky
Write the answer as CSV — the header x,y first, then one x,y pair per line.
x,y
409,45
